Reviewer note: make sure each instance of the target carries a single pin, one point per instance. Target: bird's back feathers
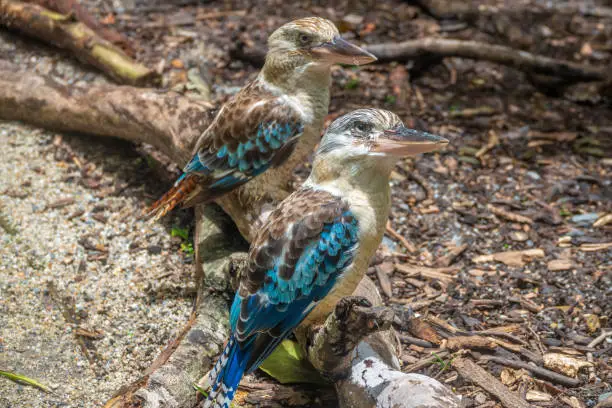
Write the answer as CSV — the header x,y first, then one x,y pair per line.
x,y
253,132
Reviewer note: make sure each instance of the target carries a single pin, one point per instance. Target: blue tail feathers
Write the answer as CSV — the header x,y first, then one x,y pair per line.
x,y
226,375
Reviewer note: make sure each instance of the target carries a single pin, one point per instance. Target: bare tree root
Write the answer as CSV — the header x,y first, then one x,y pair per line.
x,y
172,123
65,32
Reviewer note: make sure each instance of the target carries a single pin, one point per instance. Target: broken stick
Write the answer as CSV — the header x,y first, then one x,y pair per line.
x,y
63,31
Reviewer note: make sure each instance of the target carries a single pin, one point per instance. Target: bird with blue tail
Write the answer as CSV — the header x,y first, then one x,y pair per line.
x,y
261,125
316,245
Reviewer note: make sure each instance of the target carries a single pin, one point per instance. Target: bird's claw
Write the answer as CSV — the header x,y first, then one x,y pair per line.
x,y
346,305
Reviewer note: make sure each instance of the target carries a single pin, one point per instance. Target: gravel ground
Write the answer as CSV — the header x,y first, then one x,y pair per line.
x,y
74,255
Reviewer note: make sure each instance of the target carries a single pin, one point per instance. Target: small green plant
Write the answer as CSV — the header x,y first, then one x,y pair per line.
x,y
187,247
444,365
352,83
390,99
183,233
180,232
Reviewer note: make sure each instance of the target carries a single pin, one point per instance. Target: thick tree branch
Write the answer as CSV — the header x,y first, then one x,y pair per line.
x,y
442,47
165,120
65,32
521,60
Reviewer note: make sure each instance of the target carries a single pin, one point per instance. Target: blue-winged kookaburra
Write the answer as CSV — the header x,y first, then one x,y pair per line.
x,y
316,245
261,125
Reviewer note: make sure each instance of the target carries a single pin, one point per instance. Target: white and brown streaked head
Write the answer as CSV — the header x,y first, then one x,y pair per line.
x,y
374,134
315,40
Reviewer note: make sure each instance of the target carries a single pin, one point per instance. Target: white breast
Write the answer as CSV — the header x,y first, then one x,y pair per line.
x,y
371,213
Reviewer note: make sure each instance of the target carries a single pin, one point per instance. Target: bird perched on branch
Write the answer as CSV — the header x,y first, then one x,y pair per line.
x,y
316,245
260,127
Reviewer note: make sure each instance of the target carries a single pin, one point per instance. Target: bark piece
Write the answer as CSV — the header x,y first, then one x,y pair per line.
x,y
511,258
476,374
564,364
63,31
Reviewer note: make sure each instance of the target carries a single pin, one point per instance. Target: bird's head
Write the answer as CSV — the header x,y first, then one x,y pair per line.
x,y
375,133
315,40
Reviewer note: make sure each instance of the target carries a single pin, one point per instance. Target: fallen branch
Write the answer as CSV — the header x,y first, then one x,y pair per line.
x,y
63,31
67,7
521,60
535,370
443,47
476,374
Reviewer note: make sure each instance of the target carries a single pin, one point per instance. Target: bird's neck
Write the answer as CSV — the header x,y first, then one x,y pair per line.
x,y
293,75
363,181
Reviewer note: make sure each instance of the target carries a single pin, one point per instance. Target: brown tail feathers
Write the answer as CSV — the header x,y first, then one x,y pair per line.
x,y
178,194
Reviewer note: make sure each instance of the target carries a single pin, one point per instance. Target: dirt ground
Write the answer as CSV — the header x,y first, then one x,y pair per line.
x,y
528,169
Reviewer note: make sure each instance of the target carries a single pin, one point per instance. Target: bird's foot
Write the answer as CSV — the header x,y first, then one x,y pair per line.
x,y
238,262
357,318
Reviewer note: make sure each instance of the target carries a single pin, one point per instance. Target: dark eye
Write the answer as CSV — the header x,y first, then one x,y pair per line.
x,y
304,39
362,127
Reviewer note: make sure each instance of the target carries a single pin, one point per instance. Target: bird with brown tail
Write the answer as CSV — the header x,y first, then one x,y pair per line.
x,y
260,127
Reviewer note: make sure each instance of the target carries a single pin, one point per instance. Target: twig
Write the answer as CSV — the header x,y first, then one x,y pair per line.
x,y
431,273
491,143
425,362
420,180
403,240
500,212
599,339
404,338
476,374
537,371
470,342
217,14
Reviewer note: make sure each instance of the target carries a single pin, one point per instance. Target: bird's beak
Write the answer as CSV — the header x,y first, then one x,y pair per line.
x,y
402,142
340,51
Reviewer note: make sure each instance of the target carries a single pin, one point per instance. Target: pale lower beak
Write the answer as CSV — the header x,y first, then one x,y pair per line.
x,y
403,142
340,51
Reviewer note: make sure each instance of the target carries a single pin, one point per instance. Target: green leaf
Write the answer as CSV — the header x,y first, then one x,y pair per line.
x,y
187,247
200,389
22,379
288,364
180,232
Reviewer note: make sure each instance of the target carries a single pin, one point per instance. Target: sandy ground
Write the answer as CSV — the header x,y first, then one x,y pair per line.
x,y
136,292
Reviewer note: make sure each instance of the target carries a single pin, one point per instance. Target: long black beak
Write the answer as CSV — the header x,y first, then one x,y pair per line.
x,y
402,141
340,51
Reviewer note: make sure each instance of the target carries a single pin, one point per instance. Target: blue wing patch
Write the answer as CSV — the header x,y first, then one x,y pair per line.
x,y
281,304
230,168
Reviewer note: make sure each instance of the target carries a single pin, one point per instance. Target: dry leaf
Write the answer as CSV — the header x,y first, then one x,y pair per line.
x,y
563,364
592,322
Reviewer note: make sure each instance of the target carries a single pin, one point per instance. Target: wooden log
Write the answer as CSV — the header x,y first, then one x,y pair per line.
x,y
63,31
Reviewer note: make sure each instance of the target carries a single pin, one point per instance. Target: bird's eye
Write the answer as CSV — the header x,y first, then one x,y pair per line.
x,y
362,127
304,39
